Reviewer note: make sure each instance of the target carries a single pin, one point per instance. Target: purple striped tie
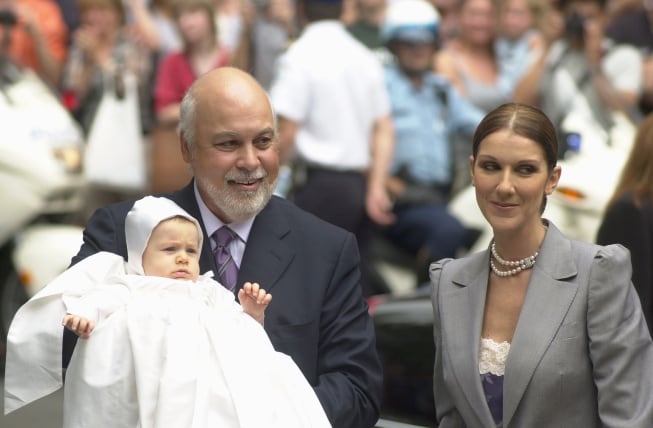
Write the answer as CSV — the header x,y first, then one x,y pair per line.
x,y
227,269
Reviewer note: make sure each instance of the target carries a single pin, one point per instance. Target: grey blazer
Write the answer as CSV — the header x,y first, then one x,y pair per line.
x,y
581,355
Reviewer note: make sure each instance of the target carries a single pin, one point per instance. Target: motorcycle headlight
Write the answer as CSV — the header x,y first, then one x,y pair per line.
x,y
70,157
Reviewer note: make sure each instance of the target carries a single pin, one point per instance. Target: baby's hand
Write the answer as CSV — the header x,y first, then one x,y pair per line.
x,y
256,293
81,326
254,300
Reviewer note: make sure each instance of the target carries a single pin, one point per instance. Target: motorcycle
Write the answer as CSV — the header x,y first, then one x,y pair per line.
x,y
42,188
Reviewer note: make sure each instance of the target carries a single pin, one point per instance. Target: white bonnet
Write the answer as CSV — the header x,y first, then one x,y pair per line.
x,y
144,216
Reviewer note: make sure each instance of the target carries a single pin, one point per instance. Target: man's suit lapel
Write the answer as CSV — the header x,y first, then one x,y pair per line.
x,y
547,301
267,253
462,310
269,250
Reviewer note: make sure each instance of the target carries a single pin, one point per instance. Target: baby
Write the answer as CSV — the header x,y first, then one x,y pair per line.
x,y
172,251
164,346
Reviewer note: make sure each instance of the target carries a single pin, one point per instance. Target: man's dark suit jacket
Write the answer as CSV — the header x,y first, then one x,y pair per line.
x,y
317,315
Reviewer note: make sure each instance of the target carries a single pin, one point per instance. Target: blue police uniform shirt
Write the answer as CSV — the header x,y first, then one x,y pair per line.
x,y
425,121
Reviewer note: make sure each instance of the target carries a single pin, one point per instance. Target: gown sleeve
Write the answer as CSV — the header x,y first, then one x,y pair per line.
x,y
33,362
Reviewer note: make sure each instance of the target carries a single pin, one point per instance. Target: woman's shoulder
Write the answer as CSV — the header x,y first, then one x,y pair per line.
x,y
613,254
609,256
462,266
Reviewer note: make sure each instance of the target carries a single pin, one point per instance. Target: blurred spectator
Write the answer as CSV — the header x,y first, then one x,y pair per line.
x,y
108,55
426,111
581,80
35,35
272,31
166,27
520,41
628,219
334,123
139,23
469,61
234,20
200,53
636,28
448,11
367,26
104,48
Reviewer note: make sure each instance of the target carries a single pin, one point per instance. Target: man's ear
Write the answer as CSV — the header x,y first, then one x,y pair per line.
x,y
185,152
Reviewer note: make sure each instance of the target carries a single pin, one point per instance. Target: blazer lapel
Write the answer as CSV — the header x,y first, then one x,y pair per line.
x,y
547,301
269,249
462,315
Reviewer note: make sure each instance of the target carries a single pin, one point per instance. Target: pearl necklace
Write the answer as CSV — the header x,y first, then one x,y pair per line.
x,y
516,265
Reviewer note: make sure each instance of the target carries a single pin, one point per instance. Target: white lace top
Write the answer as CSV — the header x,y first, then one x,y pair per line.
x,y
492,357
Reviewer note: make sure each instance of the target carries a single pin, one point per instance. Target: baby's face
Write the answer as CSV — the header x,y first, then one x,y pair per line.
x,y
173,250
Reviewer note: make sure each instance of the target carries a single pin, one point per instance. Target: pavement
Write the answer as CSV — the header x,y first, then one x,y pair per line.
x,y
44,413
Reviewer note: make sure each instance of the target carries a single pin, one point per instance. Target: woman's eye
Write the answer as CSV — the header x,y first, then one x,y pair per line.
x,y
490,166
526,169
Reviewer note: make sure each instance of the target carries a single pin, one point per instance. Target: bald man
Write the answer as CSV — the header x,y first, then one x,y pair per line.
x,y
228,136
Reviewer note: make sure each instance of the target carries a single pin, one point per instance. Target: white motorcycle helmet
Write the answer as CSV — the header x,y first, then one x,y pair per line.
x,y
415,21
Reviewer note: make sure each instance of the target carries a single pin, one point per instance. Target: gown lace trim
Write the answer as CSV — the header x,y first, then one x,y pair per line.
x,y
492,357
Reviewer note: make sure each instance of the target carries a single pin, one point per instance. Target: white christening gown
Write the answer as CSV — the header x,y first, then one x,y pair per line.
x,y
164,354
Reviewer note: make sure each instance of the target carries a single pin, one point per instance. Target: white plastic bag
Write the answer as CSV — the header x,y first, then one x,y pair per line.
x,y
115,152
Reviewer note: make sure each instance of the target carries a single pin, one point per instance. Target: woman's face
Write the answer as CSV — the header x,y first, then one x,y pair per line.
x,y
510,176
103,19
516,18
194,25
477,21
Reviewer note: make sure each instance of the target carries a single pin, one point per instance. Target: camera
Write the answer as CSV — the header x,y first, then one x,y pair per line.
x,y
7,18
569,144
575,27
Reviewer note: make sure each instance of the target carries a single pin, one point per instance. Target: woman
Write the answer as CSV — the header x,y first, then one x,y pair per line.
x,y
107,81
520,41
469,60
628,219
105,51
538,330
201,53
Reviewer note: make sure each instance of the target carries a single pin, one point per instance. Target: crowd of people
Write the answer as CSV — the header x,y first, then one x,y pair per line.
x,y
381,113
581,61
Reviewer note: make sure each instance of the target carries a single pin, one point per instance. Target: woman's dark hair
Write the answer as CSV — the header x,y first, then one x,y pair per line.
x,y
524,120
637,172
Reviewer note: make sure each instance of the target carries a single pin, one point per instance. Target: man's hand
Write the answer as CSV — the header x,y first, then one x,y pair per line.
x,y
81,326
379,206
254,300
